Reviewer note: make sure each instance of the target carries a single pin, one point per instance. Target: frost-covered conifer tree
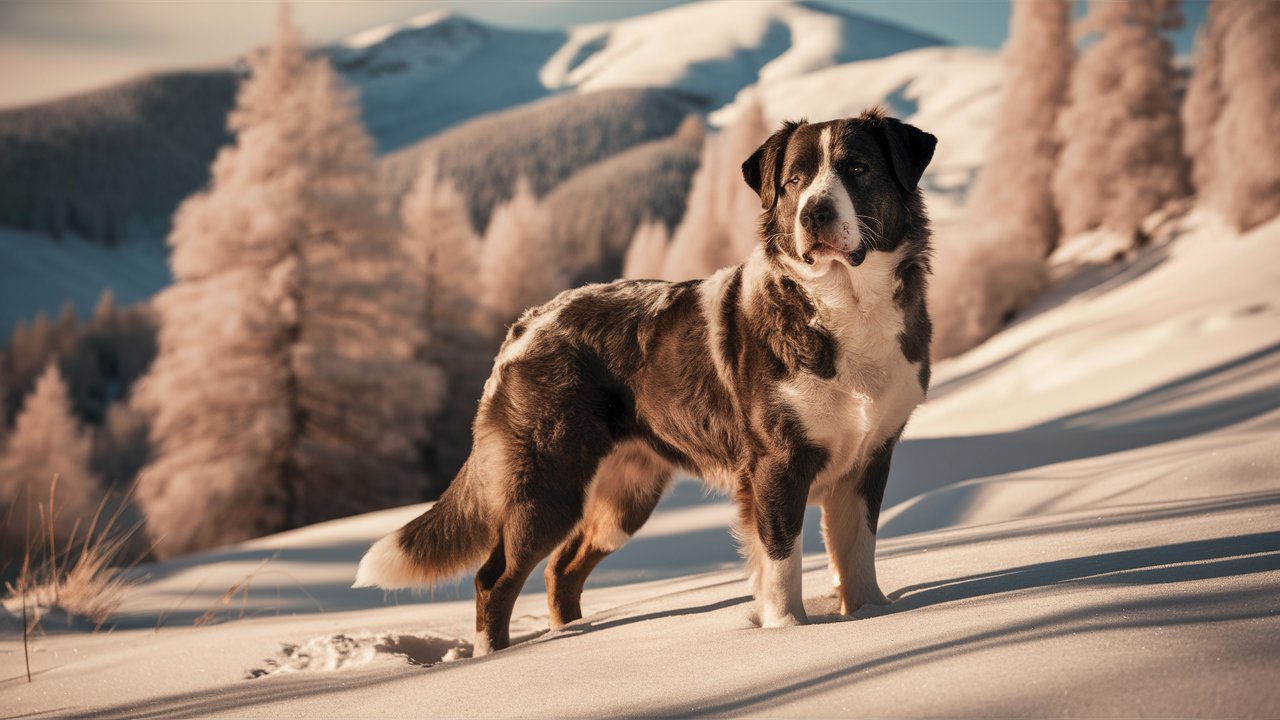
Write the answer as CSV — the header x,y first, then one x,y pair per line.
x,y
47,442
287,387
994,262
1203,102
445,250
4,416
1122,138
1230,108
439,239
521,266
646,252
719,225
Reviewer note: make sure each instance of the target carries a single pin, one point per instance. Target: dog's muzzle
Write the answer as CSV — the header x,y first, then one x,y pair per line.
x,y
819,221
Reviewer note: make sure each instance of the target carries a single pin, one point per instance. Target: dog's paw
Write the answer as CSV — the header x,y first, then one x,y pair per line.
x,y
872,597
784,620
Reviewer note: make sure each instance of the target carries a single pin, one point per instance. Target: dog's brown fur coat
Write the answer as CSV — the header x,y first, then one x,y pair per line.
x,y
747,379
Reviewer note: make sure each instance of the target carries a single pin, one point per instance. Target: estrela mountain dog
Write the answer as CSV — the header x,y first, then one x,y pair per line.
x,y
786,380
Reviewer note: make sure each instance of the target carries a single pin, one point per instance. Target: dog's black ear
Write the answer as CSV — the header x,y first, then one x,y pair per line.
x,y
762,169
910,149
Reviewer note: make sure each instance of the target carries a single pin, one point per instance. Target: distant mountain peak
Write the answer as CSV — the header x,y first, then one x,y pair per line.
x,y
433,20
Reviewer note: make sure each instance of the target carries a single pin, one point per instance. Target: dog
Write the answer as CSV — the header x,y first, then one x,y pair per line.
x,y
785,381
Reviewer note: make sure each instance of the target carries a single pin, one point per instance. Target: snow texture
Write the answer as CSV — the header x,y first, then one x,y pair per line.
x,y
1081,521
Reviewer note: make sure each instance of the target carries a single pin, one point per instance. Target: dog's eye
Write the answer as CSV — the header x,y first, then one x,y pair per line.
x,y
858,168
795,180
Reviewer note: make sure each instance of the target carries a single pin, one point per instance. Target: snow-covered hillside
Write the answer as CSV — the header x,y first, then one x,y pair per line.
x,y
39,274
436,70
953,92
1081,521
714,49
432,71
439,70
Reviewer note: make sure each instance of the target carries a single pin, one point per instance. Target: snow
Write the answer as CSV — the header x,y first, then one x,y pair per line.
x,y
1081,521
439,69
714,49
39,274
379,34
953,92
435,70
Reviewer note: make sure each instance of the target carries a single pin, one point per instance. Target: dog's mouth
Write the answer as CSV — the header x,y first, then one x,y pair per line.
x,y
855,257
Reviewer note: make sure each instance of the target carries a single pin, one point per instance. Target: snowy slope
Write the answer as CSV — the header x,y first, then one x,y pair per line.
x,y
436,70
1081,521
40,274
714,49
953,92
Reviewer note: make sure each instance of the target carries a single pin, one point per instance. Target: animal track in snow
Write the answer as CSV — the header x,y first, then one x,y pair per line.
x,y
327,653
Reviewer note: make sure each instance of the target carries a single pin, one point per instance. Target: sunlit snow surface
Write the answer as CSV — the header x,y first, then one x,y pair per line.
x,y
1081,521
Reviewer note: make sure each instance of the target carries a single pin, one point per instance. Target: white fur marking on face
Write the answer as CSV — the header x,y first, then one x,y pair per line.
x,y
779,594
827,182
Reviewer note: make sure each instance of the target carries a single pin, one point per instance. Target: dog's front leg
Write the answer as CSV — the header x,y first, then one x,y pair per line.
x,y
850,514
779,490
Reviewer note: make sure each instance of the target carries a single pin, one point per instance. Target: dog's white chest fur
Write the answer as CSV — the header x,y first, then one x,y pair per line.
x,y
875,388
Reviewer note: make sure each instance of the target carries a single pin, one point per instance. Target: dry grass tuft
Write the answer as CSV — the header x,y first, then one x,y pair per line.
x,y
78,580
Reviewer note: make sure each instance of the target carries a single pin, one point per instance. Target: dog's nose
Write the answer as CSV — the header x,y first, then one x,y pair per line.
x,y
817,213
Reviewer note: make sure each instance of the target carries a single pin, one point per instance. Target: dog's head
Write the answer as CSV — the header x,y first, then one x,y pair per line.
x,y
840,189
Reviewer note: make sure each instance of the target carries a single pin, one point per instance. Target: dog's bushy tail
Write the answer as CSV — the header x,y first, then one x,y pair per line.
x,y
448,539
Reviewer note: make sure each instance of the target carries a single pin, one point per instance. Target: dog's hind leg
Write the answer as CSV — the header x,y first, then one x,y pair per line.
x,y
850,514
626,488
543,503
528,535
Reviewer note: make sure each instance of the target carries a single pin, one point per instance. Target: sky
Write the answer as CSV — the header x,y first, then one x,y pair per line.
x,y
51,48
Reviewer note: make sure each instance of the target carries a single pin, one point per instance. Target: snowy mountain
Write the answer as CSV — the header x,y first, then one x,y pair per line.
x,y
38,274
714,49
439,69
953,92
416,79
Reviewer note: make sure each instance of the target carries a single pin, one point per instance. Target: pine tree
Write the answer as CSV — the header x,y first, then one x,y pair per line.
x,y
995,262
120,446
646,253
438,236
1122,139
47,443
1229,111
64,329
31,347
445,252
286,389
719,227
105,310
521,266
4,416
1203,102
